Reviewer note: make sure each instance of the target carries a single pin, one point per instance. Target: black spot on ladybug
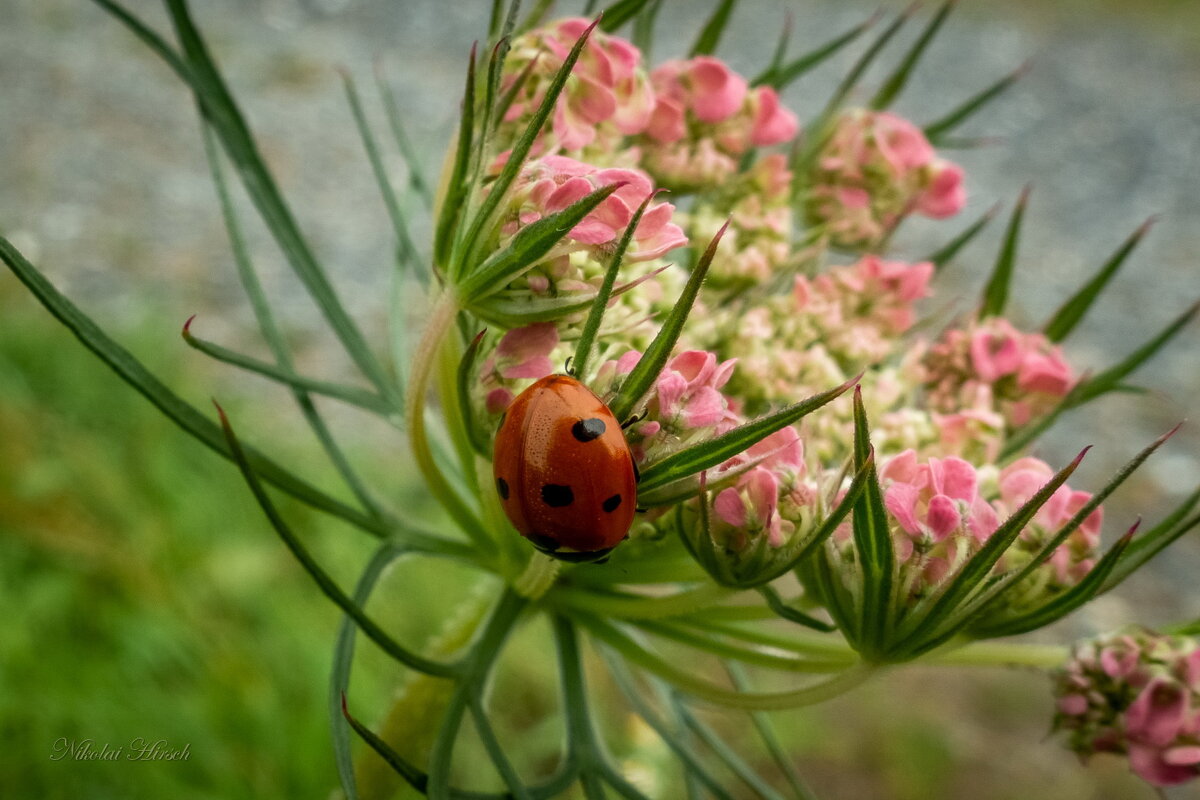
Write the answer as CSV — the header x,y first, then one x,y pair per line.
x,y
612,503
585,430
547,544
557,496
502,488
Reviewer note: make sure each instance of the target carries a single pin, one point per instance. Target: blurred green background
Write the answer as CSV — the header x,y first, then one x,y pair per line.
x,y
146,595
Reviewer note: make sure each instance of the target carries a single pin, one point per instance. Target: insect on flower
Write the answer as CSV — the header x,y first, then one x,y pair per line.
x,y
564,471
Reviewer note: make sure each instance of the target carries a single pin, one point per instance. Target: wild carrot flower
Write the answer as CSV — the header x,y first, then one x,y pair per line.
x,y
991,364
1135,693
705,119
607,96
875,169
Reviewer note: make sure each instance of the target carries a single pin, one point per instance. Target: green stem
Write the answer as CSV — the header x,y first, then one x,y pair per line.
x,y
539,575
1000,654
440,322
628,606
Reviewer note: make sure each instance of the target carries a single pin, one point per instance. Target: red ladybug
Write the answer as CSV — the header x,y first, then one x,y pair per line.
x,y
564,471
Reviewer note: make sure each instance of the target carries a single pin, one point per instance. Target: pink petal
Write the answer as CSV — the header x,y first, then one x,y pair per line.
x,y
705,407
571,191
945,195
773,124
593,231
958,479
1149,765
717,91
497,400
1157,714
729,507
901,501
666,121
943,517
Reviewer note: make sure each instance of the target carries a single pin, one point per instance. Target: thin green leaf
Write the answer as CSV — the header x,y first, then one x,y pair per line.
x,y
936,131
1071,312
766,732
693,764
736,764
818,576
527,247
1110,379
516,159
619,13
942,257
536,16
784,611
399,225
719,449
466,377
179,411
148,37
710,34
865,60
895,82
583,348
1062,604
495,751
516,308
872,542
415,777
995,294
643,29
919,634
226,119
451,212
780,75
343,659
643,375
441,756
704,641
350,394
322,578
412,161
1153,542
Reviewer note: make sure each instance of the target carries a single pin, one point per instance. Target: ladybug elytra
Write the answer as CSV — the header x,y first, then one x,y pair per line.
x,y
563,470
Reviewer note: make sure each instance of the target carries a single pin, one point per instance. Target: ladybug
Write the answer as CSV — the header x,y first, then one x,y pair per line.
x,y
564,472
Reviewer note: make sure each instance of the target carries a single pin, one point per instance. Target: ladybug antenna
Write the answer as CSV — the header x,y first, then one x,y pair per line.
x,y
567,366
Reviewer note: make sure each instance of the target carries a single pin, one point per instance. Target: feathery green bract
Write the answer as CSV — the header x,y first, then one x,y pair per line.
x,y
925,629
646,372
727,755
1151,543
407,249
583,349
343,659
179,411
416,175
353,395
1062,604
514,309
619,13
995,294
710,35
226,119
873,544
706,455
528,246
988,597
1072,311
466,376
322,578
936,131
942,256
1110,379
865,60
779,75
450,214
895,83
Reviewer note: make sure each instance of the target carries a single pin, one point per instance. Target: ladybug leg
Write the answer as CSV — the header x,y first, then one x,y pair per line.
x,y
632,420
567,366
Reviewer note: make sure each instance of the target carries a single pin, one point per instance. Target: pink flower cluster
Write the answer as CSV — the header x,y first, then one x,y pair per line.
x,y
876,169
551,184
607,95
757,242
774,499
705,119
522,356
943,514
1135,693
992,365
686,404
